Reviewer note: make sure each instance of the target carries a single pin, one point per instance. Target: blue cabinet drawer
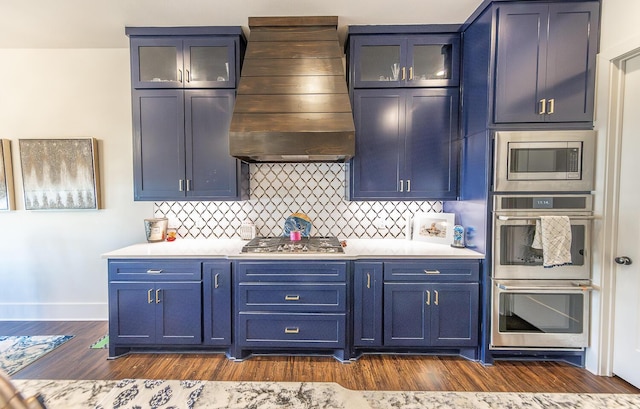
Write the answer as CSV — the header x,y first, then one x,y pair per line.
x,y
153,270
432,271
293,297
291,330
292,271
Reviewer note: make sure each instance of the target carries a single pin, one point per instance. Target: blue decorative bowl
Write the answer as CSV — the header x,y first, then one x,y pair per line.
x,y
297,221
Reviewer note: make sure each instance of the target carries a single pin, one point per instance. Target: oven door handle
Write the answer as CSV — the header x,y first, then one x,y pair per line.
x,y
575,287
507,218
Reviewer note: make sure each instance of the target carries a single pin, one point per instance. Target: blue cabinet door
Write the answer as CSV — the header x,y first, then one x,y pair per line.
x,y
217,303
379,117
169,61
406,144
571,60
431,144
406,314
159,149
178,313
454,315
545,62
211,171
132,313
181,145
367,304
147,313
392,61
439,315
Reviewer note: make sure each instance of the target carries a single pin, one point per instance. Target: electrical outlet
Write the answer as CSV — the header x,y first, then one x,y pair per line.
x,y
381,223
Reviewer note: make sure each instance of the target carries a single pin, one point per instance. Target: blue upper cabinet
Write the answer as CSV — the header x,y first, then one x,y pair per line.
x,y
184,81
165,59
545,62
404,85
391,61
406,144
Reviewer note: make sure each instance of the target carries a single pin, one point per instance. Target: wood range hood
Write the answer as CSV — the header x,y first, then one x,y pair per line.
x,y
292,102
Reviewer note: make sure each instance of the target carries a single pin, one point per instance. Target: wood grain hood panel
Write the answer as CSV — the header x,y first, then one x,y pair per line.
x,y
292,101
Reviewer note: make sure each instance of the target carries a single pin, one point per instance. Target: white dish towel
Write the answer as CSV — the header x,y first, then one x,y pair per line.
x,y
553,236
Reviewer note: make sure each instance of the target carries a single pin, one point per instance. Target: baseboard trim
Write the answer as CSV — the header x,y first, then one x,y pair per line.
x,y
54,311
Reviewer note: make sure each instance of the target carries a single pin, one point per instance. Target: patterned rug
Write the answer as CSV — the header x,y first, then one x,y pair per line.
x,y
140,394
16,352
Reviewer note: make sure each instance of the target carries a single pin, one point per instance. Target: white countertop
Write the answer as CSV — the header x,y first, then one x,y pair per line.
x,y
232,248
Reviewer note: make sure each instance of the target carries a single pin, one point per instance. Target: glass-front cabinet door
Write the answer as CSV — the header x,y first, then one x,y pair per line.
x,y
433,61
187,62
390,61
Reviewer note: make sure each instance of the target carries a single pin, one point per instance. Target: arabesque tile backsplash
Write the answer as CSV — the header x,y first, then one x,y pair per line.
x,y
278,190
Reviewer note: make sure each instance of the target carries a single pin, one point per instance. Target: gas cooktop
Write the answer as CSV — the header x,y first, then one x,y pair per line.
x,y
285,245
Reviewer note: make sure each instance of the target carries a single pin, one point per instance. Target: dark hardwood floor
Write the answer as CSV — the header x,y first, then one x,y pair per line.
x,y
75,360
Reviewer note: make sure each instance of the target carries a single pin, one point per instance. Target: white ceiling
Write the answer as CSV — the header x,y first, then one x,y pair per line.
x,y
100,23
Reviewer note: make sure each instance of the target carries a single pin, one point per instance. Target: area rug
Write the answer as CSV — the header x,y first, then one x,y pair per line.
x,y
141,394
16,352
102,343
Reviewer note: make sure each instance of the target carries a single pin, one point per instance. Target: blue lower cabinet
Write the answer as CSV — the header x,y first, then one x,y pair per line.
x,y
308,330
154,303
436,315
293,306
155,313
367,304
216,283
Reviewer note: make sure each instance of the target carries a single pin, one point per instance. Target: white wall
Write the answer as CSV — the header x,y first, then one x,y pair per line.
x,y
619,31
50,264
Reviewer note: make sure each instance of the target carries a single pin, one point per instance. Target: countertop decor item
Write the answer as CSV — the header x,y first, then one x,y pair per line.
x,y
434,227
156,229
300,222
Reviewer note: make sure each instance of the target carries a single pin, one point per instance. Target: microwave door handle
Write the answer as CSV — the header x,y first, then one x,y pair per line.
x,y
581,287
507,218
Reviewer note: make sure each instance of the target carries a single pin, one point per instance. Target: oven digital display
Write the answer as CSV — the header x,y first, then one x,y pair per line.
x,y
543,202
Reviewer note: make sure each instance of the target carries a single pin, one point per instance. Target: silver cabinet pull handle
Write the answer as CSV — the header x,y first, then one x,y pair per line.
x,y
437,297
179,75
181,185
292,330
404,73
432,271
188,185
408,185
543,107
368,280
552,105
401,185
410,73
215,281
188,76
149,299
151,271
158,296
292,298
428,297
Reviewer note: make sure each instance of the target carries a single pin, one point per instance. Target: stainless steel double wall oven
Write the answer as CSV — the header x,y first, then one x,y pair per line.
x,y
538,174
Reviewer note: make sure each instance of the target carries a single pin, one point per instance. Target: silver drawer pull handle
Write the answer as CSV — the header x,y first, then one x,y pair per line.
x,y
150,271
432,271
292,298
292,330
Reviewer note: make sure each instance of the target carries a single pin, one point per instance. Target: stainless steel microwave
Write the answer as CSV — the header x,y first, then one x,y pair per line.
x,y
544,161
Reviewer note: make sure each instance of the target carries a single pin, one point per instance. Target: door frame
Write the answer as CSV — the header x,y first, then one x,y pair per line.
x,y
612,65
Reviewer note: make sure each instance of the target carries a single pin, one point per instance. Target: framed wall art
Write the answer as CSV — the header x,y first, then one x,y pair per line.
x,y
7,200
434,227
60,174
